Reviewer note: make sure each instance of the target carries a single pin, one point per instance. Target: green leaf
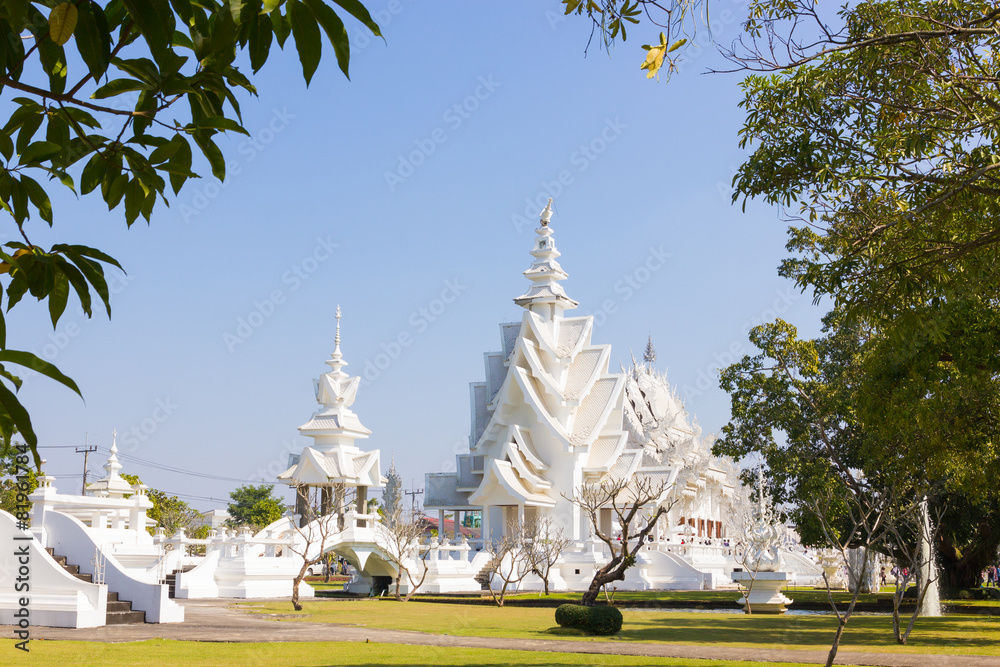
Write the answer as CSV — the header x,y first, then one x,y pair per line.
x,y
134,194
220,123
156,23
180,164
38,197
143,69
93,271
14,416
27,132
183,9
358,11
79,283
93,173
57,130
212,153
307,38
39,151
93,39
57,299
62,22
335,31
116,191
39,365
87,251
53,60
261,35
6,146
281,26
118,86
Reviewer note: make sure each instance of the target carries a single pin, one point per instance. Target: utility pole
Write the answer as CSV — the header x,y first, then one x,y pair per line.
x,y
85,450
413,499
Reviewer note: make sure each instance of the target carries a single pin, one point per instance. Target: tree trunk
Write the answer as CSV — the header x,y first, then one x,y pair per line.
x,y
961,568
295,585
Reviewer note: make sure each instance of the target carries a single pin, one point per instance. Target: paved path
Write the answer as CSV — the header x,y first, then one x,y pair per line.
x,y
217,620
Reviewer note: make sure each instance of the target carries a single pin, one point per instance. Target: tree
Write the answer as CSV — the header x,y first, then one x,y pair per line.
x,y
512,559
110,101
314,538
847,417
169,512
16,479
254,507
401,534
629,500
546,543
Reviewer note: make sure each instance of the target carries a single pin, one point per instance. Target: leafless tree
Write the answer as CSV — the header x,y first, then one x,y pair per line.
x,y
872,521
546,544
402,531
631,501
914,557
512,558
315,535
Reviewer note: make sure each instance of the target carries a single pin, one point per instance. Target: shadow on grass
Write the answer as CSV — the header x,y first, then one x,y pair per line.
x,y
804,631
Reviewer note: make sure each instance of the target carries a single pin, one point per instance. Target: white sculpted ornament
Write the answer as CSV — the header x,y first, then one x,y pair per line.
x,y
764,534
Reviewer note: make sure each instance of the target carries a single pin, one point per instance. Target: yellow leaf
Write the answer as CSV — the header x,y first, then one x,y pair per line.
x,y
62,22
654,60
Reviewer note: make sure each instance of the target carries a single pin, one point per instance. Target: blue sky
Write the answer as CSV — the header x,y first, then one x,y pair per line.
x,y
417,182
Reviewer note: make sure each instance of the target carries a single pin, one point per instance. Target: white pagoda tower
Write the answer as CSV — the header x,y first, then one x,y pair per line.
x,y
112,485
334,461
551,417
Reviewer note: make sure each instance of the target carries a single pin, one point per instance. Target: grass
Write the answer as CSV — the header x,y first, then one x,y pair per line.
x,y
313,654
950,634
622,598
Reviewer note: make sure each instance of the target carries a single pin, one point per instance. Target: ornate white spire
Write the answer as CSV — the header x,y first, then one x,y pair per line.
x,y
112,484
336,360
336,390
650,355
545,296
113,466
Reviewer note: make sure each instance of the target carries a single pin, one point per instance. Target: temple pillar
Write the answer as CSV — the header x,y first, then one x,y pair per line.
x,y
302,504
326,500
362,504
440,524
339,504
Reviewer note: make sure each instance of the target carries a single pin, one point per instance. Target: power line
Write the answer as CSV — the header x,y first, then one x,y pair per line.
x,y
168,468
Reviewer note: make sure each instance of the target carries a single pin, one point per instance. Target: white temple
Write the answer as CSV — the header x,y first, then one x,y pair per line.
x,y
334,462
551,416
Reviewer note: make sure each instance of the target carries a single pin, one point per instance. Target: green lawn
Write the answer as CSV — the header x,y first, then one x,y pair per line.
x,y
314,654
622,598
951,634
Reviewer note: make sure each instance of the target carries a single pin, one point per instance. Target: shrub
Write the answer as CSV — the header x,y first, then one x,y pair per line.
x,y
604,621
571,616
964,595
593,620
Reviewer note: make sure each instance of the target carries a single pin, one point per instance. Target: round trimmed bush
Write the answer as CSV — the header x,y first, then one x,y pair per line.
x,y
593,620
572,616
604,621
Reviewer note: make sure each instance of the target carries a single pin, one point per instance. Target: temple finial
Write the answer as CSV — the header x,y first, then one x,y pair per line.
x,y
336,360
336,339
650,356
547,213
545,296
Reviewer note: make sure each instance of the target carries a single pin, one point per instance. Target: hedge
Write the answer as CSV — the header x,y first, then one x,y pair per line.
x,y
593,620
